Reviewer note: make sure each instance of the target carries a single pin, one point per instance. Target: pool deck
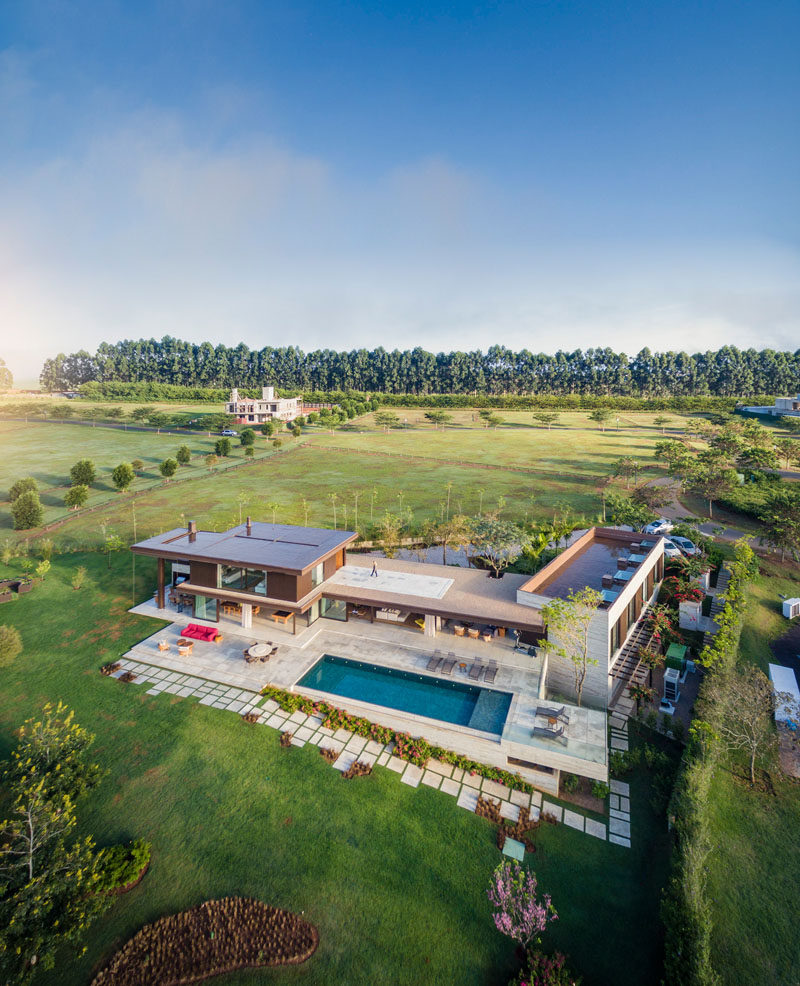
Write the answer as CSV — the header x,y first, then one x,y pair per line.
x,y
404,649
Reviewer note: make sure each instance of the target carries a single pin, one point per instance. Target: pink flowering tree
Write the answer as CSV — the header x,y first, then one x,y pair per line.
x,y
518,912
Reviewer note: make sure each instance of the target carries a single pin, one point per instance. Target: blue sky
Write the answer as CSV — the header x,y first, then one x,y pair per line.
x,y
540,174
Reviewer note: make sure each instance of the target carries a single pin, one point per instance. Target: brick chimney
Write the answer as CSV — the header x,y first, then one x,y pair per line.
x,y
249,527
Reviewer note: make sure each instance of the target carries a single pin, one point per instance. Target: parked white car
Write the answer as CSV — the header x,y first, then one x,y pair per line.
x,y
660,526
689,548
671,550
229,433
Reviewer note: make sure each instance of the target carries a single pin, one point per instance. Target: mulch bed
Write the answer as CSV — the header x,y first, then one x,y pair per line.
x,y
286,738
357,769
328,754
217,937
128,676
583,797
250,717
110,668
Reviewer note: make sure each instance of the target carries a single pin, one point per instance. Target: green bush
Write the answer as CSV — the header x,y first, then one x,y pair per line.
x,y
122,865
184,455
569,782
27,511
600,790
76,496
545,970
82,473
28,484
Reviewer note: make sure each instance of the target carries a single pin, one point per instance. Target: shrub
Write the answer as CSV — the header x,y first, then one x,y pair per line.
x,y
123,476
137,465
545,970
122,865
45,549
211,460
569,782
42,569
249,451
10,645
168,468
222,446
82,473
28,484
247,437
78,580
600,790
27,511
76,496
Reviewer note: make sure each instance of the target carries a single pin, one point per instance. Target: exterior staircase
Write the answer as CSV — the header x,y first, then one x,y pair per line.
x,y
628,670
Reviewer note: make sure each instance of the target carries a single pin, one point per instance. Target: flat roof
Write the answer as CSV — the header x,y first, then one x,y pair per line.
x,y
449,591
585,562
278,547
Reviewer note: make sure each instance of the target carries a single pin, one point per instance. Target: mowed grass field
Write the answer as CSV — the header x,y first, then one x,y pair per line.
x,y
533,472
48,451
395,879
754,868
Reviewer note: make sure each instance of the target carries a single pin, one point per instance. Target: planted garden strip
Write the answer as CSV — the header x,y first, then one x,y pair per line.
x,y
217,937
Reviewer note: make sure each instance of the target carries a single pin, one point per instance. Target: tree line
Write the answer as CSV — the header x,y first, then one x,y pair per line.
x,y
498,371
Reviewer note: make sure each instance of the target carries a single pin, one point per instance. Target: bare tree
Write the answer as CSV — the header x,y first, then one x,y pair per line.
x,y
743,714
568,622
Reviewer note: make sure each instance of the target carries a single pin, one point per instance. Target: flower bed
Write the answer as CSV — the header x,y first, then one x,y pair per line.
x,y
108,669
216,937
357,769
415,750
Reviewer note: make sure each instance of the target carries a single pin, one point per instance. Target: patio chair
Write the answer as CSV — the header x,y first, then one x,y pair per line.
x,y
550,713
449,664
435,662
476,670
549,733
490,673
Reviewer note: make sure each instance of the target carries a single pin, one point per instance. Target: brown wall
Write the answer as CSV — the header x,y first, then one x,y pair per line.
x,y
282,586
303,585
330,564
204,573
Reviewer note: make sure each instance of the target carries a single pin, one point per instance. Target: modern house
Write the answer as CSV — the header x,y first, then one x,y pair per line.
x,y
364,633
252,410
783,406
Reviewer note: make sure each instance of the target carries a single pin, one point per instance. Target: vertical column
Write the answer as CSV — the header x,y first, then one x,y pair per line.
x,y
160,599
294,623
247,615
430,625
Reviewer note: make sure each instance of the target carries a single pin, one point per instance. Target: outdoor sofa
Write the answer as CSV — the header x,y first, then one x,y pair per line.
x,y
210,634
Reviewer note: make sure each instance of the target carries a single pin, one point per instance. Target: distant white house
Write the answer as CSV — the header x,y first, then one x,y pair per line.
x,y
254,410
782,406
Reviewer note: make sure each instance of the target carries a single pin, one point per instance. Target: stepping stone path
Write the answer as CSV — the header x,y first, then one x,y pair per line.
x,y
349,747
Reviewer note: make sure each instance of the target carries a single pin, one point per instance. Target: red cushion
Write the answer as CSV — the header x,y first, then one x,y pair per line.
x,y
200,633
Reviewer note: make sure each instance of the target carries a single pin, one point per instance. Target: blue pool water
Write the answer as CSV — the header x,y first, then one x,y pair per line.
x,y
420,694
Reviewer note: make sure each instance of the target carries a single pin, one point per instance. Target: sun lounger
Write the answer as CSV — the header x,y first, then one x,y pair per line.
x,y
550,713
449,664
490,673
548,733
476,670
435,662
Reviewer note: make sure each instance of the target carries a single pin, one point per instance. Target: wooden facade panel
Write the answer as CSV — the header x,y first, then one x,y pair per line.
x,y
204,573
281,586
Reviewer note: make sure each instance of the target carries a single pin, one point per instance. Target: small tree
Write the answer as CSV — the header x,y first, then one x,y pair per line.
x,y
28,484
112,542
743,716
78,580
42,569
297,431
27,511
494,421
10,645
601,415
390,528
82,473
211,460
247,437
123,476
547,418
519,913
453,532
628,467
497,542
76,496
661,422
386,420
623,510
710,482
45,549
137,465
568,622
168,468
268,429
781,519
438,418
249,451
184,455
222,447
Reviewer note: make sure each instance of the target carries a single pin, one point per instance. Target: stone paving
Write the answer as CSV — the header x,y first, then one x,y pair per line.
x,y
452,781
619,800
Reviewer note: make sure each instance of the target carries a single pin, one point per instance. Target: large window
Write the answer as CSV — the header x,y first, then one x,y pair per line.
x,y
206,608
334,609
316,575
243,579
615,638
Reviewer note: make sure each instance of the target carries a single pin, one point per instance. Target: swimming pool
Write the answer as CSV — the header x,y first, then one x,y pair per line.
x,y
420,694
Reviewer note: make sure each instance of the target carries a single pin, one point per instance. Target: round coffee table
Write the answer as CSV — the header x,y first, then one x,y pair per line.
x,y
258,650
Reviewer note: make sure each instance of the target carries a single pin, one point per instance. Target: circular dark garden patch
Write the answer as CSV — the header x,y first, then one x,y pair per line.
x,y
216,937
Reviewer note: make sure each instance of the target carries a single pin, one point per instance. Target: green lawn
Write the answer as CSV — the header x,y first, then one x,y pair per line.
x,y
754,869
47,451
393,878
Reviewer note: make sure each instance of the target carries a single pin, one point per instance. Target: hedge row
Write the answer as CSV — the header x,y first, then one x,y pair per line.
x,y
686,909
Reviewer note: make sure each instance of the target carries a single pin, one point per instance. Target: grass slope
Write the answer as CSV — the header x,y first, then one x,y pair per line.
x,y
393,878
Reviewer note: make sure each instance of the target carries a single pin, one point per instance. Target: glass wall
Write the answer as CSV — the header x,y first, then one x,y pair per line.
x,y
334,609
243,579
206,608
316,575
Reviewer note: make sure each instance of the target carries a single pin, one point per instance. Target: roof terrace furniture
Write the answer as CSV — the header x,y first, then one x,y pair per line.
x,y
476,670
473,633
552,713
607,581
281,616
458,630
622,564
549,733
185,647
198,632
449,664
257,651
163,645
490,673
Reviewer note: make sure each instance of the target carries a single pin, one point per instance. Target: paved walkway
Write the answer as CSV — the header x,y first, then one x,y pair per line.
x,y
619,805
452,781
